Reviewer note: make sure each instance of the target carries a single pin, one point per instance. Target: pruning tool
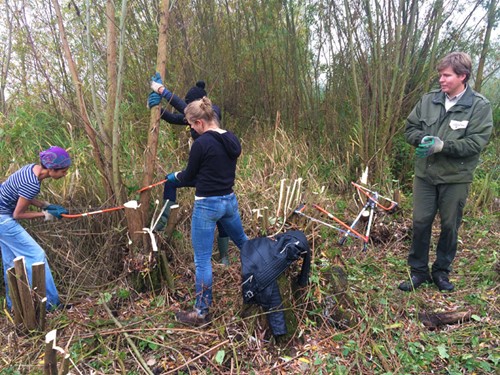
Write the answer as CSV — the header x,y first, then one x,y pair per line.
x,y
299,211
370,205
129,204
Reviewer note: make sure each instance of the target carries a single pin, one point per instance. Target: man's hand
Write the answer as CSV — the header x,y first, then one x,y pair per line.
x,y
55,210
153,100
429,145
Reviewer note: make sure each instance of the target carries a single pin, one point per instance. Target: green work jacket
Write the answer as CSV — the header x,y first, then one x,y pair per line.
x,y
465,130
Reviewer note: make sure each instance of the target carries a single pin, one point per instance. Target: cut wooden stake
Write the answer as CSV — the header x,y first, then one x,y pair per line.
x,y
14,296
280,200
50,359
291,201
265,220
285,206
40,293
65,365
25,293
42,314
299,192
38,276
172,220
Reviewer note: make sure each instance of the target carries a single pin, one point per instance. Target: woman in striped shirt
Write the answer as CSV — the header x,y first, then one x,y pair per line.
x,y
19,192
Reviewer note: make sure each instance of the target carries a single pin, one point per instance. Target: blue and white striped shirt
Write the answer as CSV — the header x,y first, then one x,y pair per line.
x,y
23,183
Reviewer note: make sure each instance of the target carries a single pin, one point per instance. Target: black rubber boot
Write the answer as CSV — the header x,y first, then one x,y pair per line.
x,y
223,245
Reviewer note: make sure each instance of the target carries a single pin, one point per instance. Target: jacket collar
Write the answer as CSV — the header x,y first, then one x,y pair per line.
x,y
465,101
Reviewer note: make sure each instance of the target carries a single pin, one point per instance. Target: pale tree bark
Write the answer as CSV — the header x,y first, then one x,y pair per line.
x,y
93,87
150,153
90,131
6,59
492,11
117,86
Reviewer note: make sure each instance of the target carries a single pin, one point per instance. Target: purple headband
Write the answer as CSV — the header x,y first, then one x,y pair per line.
x,y
55,158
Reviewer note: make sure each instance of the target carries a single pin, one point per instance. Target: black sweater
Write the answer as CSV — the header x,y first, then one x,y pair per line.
x,y
212,163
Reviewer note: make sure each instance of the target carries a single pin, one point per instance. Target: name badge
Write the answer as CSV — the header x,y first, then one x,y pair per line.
x,y
455,125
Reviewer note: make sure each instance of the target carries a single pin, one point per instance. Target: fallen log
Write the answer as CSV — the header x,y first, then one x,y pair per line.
x,y
435,320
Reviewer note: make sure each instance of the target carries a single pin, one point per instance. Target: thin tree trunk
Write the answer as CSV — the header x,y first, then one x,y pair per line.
x,y
150,154
6,59
492,10
117,181
90,131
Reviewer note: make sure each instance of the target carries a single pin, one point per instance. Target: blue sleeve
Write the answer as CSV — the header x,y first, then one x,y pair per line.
x,y
177,103
172,118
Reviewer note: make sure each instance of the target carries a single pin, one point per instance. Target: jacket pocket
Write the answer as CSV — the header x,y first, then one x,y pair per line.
x,y
428,123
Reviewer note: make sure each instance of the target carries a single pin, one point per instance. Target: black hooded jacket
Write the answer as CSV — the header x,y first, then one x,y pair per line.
x,y
263,260
212,163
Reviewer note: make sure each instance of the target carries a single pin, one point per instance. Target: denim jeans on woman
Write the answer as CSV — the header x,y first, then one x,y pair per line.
x,y
15,242
170,193
206,213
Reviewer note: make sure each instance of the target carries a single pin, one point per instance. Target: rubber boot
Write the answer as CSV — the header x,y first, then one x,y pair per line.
x,y
164,217
223,245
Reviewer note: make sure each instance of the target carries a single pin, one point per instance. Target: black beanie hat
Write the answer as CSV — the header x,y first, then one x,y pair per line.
x,y
196,92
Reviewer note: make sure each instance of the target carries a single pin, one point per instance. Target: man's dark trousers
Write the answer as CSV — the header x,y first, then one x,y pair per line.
x,y
428,199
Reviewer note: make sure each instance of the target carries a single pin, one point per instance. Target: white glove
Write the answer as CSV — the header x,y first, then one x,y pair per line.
x,y
48,216
155,86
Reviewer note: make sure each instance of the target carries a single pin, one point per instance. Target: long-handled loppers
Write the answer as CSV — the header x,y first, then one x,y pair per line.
x,y
299,211
129,204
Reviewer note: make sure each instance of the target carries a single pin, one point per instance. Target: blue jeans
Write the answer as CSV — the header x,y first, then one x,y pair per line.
x,y
15,242
170,193
206,213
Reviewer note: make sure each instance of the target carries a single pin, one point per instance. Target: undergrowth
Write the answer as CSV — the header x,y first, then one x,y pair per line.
x,y
351,318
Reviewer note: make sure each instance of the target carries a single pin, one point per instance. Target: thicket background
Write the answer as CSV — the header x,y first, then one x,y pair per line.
x,y
314,89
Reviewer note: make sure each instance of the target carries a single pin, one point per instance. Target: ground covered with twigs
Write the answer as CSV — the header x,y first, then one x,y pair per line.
x,y
111,329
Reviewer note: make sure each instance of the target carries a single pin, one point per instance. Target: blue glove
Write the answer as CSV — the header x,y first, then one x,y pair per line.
x,y
56,210
428,146
171,177
157,78
153,99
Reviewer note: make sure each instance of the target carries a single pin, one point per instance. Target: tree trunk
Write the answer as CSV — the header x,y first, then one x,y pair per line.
x,y
492,9
90,131
5,60
138,219
150,154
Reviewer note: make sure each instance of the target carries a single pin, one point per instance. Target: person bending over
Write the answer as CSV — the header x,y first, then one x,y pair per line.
x,y
17,194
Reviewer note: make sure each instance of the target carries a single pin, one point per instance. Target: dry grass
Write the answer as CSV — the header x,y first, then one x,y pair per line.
x,y
382,333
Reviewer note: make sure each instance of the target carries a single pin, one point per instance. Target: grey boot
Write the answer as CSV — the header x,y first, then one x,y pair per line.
x,y
164,217
223,245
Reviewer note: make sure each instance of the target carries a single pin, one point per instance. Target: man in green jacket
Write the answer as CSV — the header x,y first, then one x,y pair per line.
x,y
449,128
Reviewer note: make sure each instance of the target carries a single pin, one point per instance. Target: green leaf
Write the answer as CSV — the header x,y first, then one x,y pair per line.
x,y
443,353
219,357
476,317
105,298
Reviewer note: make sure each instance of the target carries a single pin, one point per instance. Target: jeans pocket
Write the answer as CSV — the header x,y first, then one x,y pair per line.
x,y
207,209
